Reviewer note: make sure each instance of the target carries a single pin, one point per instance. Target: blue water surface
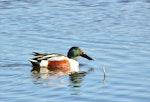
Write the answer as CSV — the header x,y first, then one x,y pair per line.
x,y
115,33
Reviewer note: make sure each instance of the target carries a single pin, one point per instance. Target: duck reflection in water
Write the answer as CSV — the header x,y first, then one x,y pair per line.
x,y
76,79
57,79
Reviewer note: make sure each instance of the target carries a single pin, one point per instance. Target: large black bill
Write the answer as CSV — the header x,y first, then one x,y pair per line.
x,y
86,56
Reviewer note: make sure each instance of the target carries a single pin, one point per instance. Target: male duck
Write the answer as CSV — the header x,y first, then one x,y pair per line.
x,y
58,62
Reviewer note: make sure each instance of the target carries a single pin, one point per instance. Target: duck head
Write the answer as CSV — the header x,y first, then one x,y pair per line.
x,y
75,51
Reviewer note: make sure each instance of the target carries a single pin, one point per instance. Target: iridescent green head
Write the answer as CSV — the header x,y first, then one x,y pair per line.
x,y
74,52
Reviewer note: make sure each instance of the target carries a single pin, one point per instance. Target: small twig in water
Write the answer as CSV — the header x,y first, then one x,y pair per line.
x,y
104,71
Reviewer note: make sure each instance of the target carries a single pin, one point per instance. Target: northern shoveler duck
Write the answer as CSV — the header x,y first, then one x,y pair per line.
x,y
59,62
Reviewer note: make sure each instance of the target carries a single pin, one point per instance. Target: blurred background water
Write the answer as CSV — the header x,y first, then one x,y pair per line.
x,y
115,33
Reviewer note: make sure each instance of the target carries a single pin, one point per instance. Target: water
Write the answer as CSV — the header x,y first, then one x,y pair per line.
x,y
114,33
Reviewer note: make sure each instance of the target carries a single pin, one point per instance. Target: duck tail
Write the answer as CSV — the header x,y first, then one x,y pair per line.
x,y
34,62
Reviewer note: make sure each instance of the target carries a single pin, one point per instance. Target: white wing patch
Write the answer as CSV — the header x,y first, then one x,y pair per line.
x,y
47,56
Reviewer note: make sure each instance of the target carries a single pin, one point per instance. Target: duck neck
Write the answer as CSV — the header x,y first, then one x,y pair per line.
x,y
71,57
75,58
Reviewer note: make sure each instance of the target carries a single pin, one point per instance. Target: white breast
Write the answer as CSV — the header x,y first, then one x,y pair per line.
x,y
74,65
